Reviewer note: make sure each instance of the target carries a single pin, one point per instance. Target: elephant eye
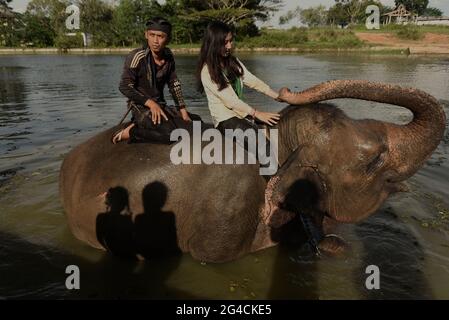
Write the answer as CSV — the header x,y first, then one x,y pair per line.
x,y
375,163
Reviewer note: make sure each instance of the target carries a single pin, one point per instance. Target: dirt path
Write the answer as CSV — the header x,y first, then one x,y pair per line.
x,y
431,44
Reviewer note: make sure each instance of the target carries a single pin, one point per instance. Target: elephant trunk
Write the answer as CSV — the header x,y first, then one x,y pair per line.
x,y
409,145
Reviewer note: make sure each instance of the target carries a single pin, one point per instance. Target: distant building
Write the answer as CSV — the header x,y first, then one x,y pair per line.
x,y
400,16
442,21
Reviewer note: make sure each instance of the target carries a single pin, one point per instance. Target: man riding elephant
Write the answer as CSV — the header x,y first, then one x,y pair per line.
x,y
146,72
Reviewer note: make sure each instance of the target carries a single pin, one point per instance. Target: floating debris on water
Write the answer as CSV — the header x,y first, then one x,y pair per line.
x,y
440,222
8,174
233,286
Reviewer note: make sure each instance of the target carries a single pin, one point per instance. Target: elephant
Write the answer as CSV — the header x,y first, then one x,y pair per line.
x,y
332,169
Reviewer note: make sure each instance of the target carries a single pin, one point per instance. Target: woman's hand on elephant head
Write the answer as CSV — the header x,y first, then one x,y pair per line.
x,y
267,117
283,94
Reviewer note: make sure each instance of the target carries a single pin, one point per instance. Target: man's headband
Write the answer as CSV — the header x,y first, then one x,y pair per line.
x,y
163,26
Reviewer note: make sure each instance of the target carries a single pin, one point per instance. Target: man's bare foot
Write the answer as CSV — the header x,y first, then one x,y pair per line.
x,y
122,135
103,195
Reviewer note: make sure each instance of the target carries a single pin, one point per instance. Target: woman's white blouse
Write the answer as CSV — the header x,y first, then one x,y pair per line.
x,y
225,104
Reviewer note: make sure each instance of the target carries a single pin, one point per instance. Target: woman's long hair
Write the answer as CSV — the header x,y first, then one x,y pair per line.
x,y
211,54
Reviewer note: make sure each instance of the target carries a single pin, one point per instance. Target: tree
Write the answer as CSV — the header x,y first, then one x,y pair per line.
x,y
351,11
96,19
290,15
4,4
354,8
237,13
10,25
184,30
337,15
38,30
315,16
129,19
54,10
312,17
233,12
432,12
416,6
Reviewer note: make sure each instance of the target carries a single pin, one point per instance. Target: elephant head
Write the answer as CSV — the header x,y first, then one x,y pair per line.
x,y
346,168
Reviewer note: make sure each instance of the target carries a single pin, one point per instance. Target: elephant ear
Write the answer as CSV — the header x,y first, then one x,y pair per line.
x,y
293,189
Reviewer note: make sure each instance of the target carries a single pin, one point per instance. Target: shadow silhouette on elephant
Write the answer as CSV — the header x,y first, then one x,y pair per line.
x,y
115,228
155,230
149,234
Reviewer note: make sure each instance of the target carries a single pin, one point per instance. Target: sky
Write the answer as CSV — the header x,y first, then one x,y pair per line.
x,y
20,6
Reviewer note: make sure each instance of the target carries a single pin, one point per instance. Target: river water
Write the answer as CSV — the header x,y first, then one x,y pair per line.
x,y
49,104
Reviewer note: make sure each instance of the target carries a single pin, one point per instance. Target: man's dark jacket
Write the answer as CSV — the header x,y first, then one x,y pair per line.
x,y
142,81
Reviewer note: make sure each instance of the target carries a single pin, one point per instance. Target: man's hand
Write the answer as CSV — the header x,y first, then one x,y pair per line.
x,y
185,115
156,111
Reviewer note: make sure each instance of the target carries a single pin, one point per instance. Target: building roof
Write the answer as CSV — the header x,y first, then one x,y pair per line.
x,y
400,11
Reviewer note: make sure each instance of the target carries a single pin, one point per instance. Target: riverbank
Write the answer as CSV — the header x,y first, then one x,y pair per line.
x,y
94,51
46,51
389,40
430,43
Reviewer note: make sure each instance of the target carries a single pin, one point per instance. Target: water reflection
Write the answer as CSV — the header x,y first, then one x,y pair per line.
x,y
398,254
14,112
294,273
12,95
40,272
11,84
429,74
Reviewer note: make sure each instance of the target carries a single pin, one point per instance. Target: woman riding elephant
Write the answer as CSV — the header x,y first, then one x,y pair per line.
x,y
222,77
